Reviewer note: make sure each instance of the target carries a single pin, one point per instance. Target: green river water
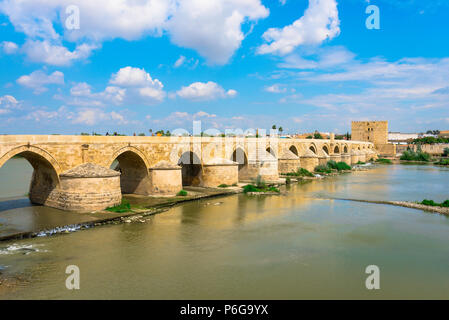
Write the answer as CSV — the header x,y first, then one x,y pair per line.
x,y
303,245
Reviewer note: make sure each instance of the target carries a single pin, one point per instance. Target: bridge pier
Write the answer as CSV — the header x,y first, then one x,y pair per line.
x,y
86,188
288,162
219,171
166,179
346,157
336,157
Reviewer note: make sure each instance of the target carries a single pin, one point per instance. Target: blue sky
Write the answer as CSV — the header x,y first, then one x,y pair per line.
x,y
160,64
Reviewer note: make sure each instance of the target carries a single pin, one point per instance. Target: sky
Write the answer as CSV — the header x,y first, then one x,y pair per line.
x,y
72,66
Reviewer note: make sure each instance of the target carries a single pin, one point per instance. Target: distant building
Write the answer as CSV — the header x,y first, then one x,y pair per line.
x,y
401,138
444,134
406,138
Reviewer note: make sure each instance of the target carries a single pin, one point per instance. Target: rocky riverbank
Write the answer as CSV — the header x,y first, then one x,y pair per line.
x,y
406,204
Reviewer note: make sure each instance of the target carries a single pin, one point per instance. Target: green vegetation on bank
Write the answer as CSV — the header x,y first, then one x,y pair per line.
x,y
123,207
384,161
259,186
182,193
411,155
430,140
323,169
446,152
332,166
253,188
442,162
301,172
432,203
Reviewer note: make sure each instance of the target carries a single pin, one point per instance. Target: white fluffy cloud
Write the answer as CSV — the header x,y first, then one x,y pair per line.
x,y
93,116
128,85
38,80
319,22
7,103
203,91
275,88
9,47
55,54
212,27
141,82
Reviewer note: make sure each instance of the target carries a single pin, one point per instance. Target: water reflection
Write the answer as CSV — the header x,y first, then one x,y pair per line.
x,y
277,247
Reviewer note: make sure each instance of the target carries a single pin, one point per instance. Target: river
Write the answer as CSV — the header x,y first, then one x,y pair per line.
x,y
304,245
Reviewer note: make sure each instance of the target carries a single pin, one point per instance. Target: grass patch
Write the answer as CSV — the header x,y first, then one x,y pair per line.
x,y
123,207
384,161
301,172
182,193
224,185
361,162
432,203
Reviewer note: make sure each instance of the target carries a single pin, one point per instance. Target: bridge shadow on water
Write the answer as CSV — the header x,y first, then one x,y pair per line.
x,y
11,204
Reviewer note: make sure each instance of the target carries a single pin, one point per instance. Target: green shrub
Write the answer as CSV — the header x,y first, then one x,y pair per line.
x,y
182,193
288,180
301,172
273,189
343,166
385,161
443,162
253,188
250,188
124,206
434,204
446,152
360,162
223,185
305,173
332,164
411,155
323,169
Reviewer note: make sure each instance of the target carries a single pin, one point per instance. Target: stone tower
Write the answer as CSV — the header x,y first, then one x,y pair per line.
x,y
371,131
375,132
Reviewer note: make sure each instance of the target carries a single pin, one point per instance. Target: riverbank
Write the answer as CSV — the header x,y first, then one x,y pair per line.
x,y
405,204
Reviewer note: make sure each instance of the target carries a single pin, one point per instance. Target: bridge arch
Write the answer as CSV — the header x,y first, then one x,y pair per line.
x,y
133,166
326,150
294,150
271,151
312,147
45,178
191,168
337,149
239,156
345,148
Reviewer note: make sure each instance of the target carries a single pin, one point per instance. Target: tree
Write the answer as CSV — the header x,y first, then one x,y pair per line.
x,y
446,152
273,127
281,130
317,135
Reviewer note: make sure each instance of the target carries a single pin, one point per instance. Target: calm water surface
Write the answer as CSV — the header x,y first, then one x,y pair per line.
x,y
303,245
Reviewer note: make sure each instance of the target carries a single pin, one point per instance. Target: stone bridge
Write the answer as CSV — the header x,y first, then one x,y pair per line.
x,y
88,173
